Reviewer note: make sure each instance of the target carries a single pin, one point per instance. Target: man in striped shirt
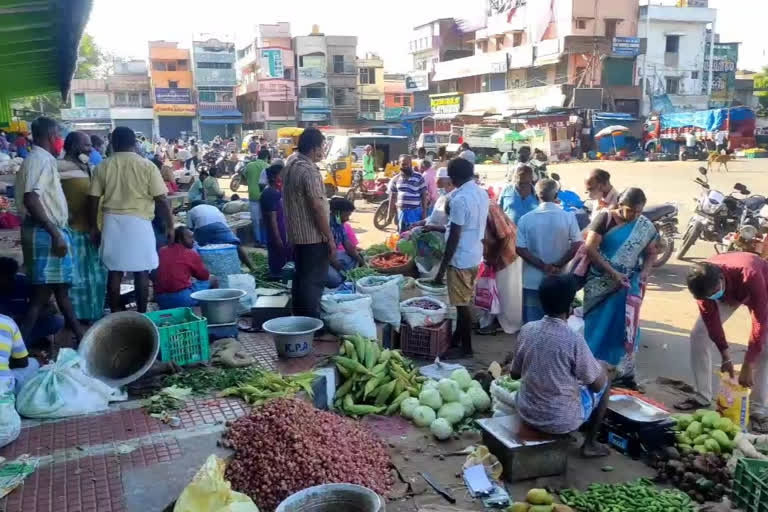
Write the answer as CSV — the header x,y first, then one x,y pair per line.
x,y
15,365
407,192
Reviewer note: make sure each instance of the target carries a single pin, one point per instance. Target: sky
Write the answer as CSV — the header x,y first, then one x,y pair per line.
x,y
382,26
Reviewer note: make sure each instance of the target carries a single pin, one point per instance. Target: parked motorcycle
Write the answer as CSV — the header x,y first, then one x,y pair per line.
x,y
358,190
716,214
239,174
697,152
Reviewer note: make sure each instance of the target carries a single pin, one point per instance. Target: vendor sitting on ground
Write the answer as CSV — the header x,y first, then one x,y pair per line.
x,y
179,264
14,302
210,227
349,258
206,188
563,386
15,363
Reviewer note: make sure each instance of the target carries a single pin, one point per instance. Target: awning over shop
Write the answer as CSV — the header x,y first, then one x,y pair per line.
x,y
412,116
444,117
474,113
38,47
220,112
221,120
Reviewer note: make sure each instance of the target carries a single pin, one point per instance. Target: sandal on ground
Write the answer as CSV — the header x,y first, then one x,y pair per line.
x,y
691,404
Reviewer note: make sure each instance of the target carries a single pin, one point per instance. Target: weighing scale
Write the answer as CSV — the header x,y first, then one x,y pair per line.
x,y
635,427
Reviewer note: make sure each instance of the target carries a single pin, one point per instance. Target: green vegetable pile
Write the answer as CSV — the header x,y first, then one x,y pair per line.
x,y
360,272
444,405
171,398
508,383
375,250
261,272
374,380
704,431
407,247
205,380
641,495
263,385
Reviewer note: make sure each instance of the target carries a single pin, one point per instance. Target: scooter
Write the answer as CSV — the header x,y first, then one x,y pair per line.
x,y
239,174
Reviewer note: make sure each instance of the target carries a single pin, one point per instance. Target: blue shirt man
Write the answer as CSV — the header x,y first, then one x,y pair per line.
x,y
519,198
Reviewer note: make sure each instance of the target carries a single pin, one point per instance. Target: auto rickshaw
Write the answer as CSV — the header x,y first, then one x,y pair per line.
x,y
345,156
287,140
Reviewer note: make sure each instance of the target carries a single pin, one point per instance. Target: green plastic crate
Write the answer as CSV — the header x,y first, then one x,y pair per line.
x,y
750,486
183,336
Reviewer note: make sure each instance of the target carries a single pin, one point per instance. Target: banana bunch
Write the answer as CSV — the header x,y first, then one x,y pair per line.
x,y
374,380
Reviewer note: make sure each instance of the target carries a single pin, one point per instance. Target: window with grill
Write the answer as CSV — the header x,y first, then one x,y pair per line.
x,y
172,84
610,28
673,85
407,100
133,99
369,106
338,63
171,66
119,98
209,96
673,44
581,24
517,39
367,76
159,66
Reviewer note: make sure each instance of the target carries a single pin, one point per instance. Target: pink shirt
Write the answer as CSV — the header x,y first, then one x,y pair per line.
x,y
350,236
430,178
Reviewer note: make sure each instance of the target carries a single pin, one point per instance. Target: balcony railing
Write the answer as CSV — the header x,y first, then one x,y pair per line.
x,y
345,68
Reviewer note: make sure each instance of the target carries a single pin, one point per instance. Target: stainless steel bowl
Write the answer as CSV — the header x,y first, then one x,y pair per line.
x,y
219,306
333,498
120,348
293,334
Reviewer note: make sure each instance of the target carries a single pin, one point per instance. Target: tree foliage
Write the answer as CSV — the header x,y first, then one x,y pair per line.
x,y
761,82
90,58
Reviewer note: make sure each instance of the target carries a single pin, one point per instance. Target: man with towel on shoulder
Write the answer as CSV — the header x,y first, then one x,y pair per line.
x,y
131,187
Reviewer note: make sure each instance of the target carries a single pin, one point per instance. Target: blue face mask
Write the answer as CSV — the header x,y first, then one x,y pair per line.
x,y
717,295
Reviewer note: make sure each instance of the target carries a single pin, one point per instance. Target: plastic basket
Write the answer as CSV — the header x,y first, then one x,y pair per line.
x,y
183,336
426,342
750,485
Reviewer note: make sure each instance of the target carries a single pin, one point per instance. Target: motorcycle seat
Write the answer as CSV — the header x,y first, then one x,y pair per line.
x,y
754,202
654,213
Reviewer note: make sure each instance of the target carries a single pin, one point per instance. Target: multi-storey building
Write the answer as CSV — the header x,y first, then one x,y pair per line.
x,y
88,107
673,64
172,89
397,100
267,90
370,83
130,97
327,79
215,79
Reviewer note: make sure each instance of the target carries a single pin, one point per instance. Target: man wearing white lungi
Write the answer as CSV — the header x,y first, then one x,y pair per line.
x,y
130,187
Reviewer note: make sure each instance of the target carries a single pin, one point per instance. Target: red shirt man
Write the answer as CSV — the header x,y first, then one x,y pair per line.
x,y
721,285
178,264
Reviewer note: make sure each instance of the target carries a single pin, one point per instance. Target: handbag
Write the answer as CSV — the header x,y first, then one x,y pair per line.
x,y
579,264
486,292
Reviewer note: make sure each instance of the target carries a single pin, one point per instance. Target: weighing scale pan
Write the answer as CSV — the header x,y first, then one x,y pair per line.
x,y
635,409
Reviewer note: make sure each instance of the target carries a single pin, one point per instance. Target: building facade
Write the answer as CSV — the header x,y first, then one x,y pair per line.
x,y
397,100
88,107
215,79
370,84
673,66
267,90
327,79
170,72
130,97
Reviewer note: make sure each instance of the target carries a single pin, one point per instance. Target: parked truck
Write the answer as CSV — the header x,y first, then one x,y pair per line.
x,y
662,133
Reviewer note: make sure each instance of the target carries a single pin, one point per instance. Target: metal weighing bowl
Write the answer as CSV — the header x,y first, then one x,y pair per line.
x,y
293,334
219,306
333,498
120,348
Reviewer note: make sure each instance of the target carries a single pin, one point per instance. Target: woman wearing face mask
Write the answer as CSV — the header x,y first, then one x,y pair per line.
x,y
621,245
341,210
89,285
271,202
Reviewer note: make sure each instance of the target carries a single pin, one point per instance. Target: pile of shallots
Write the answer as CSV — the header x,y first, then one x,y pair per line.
x,y
287,445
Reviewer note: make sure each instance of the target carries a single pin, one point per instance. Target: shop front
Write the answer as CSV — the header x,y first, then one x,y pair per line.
x,y
175,121
224,120
140,120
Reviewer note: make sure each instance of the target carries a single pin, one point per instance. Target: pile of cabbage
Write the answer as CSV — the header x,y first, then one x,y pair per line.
x,y
443,404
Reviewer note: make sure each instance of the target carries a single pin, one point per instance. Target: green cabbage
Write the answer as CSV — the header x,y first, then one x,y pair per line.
x,y
429,384
462,378
407,407
452,411
466,402
423,416
449,390
480,399
431,398
441,429
475,384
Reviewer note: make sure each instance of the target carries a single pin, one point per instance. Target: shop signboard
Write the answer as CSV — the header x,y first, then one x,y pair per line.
x,y
272,63
69,114
449,103
170,96
314,116
724,64
417,81
394,113
174,110
626,46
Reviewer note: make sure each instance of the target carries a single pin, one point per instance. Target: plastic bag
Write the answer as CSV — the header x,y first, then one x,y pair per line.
x,y
486,293
385,297
209,492
10,422
63,389
247,283
481,455
348,314
417,316
733,401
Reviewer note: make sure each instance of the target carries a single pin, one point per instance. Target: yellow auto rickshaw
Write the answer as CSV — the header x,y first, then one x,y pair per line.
x,y
287,140
345,155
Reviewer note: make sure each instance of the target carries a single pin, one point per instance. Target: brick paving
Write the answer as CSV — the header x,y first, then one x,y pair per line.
x,y
83,459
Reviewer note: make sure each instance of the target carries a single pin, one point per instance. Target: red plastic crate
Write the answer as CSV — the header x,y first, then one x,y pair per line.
x,y
426,342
